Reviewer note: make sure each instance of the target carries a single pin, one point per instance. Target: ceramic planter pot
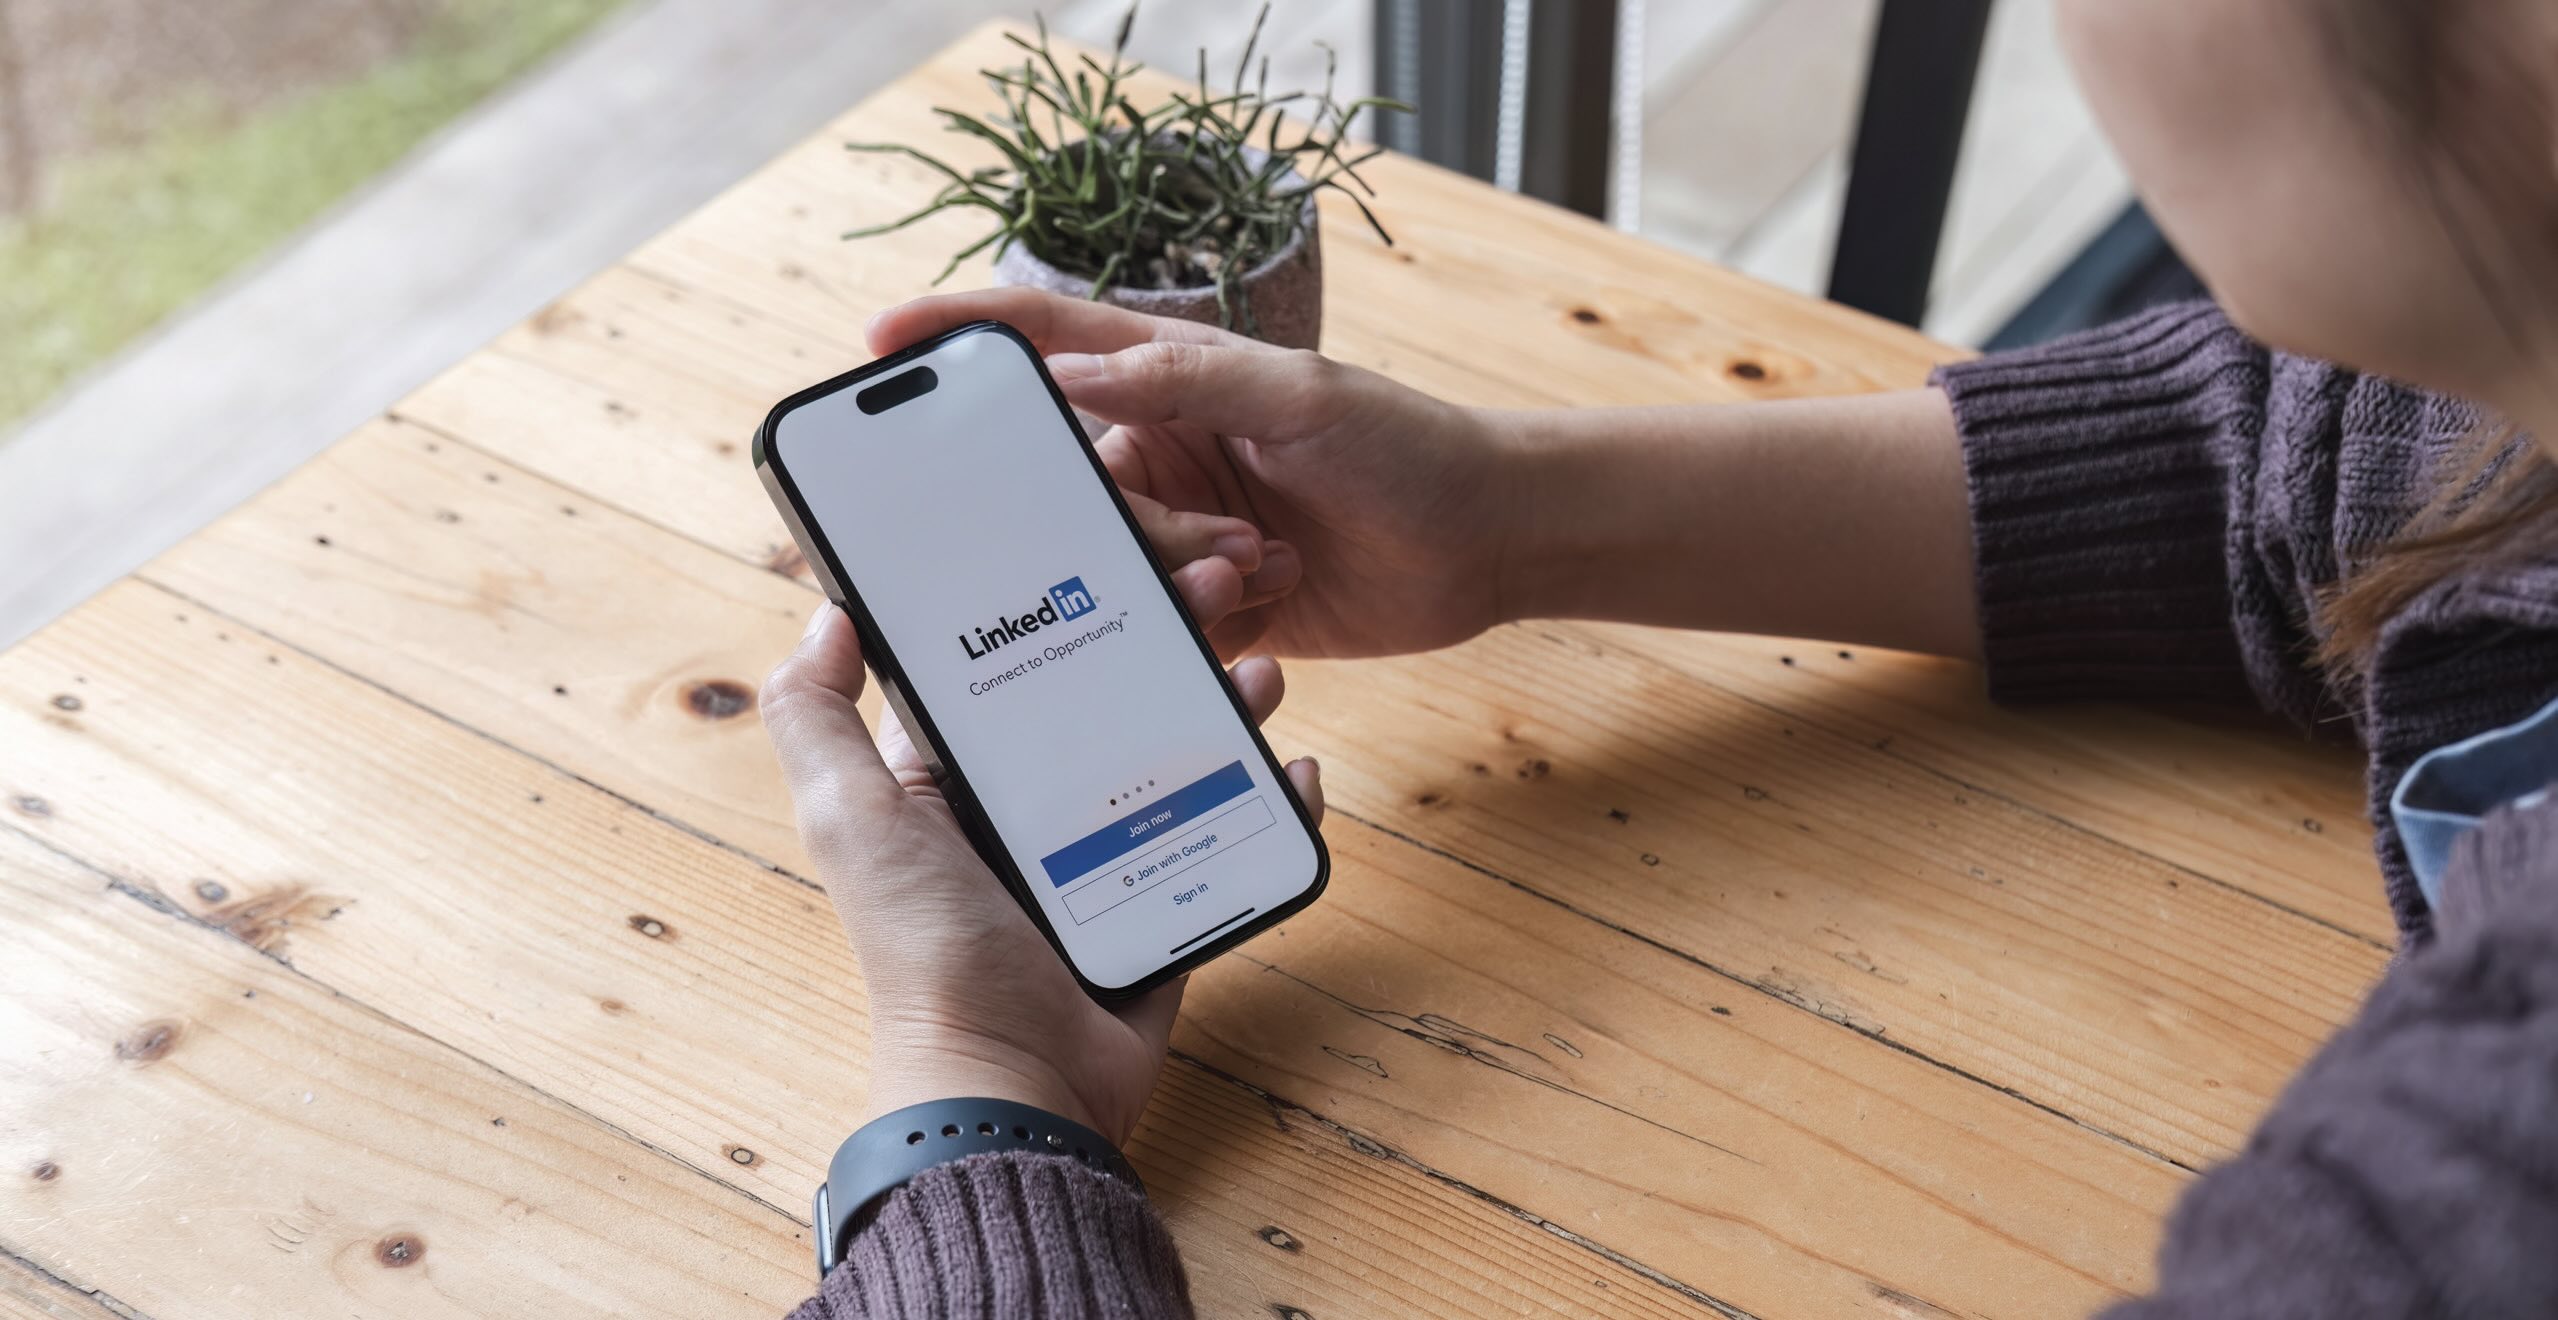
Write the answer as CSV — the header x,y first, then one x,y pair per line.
x,y
1286,291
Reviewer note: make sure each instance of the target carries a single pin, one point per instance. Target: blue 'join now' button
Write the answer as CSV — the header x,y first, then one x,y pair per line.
x,y
1111,841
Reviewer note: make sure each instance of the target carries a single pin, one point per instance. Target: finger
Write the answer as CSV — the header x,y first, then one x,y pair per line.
x,y
1052,323
1259,683
1210,589
1281,569
1180,536
905,760
1150,462
1236,634
1306,776
1268,394
838,784
1127,463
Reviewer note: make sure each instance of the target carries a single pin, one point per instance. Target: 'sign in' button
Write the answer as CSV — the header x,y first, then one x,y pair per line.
x,y
1169,856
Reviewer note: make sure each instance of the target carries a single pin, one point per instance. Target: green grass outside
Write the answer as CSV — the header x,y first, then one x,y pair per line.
x,y
129,236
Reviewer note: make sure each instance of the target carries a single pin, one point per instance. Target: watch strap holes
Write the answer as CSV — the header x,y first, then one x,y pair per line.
x,y
889,1151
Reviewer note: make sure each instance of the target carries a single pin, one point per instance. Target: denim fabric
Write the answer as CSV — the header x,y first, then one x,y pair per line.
x,y
2445,793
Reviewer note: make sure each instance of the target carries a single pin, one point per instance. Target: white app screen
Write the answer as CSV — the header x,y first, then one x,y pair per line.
x,y
1062,677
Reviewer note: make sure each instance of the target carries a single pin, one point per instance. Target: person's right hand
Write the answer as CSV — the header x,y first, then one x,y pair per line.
x,y
1384,510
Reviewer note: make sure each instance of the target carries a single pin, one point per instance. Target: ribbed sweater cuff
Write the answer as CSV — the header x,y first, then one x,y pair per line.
x,y
1008,1235
2101,469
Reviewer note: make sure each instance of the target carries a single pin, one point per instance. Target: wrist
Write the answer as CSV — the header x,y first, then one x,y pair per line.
x,y
904,1075
891,1150
1540,518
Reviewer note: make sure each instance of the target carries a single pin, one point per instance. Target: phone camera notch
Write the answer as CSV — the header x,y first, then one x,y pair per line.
x,y
897,389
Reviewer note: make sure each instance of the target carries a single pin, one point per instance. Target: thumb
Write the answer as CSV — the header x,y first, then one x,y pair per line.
x,y
1264,393
838,784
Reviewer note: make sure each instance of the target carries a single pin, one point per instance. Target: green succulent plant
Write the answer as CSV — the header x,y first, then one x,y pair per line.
x,y
1162,198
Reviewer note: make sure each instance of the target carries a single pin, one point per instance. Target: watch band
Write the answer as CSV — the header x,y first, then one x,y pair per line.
x,y
888,1151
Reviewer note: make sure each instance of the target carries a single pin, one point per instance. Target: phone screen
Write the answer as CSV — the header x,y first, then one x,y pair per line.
x,y
1067,689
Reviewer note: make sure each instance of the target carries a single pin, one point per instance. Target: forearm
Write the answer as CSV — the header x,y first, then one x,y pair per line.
x,y
1841,518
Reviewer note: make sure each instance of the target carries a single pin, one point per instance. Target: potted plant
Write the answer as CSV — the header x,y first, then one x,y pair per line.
x,y
1200,207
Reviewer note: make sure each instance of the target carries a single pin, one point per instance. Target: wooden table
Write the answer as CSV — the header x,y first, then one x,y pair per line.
x,y
403,916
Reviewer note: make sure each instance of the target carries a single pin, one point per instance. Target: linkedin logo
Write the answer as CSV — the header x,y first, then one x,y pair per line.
x,y
1066,600
1070,598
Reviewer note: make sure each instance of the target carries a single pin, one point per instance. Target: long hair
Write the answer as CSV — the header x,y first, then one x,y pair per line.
x,y
2498,501
2496,504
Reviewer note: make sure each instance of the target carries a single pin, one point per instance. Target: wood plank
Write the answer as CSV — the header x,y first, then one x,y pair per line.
x,y
26,1294
1509,1113
341,829
223,784
740,322
1473,1006
2239,796
2134,788
1666,327
606,394
609,391
678,1041
283,1151
580,395
2242,800
2056,926
504,602
1277,1207
1986,936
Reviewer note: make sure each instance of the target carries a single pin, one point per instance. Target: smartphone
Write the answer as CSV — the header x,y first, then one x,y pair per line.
x,y
1075,717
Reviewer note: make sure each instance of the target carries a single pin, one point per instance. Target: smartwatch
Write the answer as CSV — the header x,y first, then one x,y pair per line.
x,y
888,1151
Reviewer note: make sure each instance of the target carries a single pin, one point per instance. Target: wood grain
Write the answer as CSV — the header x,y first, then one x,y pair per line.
x,y
1992,938
1581,312
687,997
1880,896
2225,795
735,1026
575,632
640,388
26,1294
281,1152
1644,1101
1661,975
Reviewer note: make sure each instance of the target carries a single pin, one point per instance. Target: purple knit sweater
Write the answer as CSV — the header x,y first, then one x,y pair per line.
x,y
2155,505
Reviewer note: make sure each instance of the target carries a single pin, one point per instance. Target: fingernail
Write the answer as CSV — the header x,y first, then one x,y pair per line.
x,y
1238,549
817,620
1073,366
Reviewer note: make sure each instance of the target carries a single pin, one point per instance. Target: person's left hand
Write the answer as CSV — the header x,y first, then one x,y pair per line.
x,y
966,998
